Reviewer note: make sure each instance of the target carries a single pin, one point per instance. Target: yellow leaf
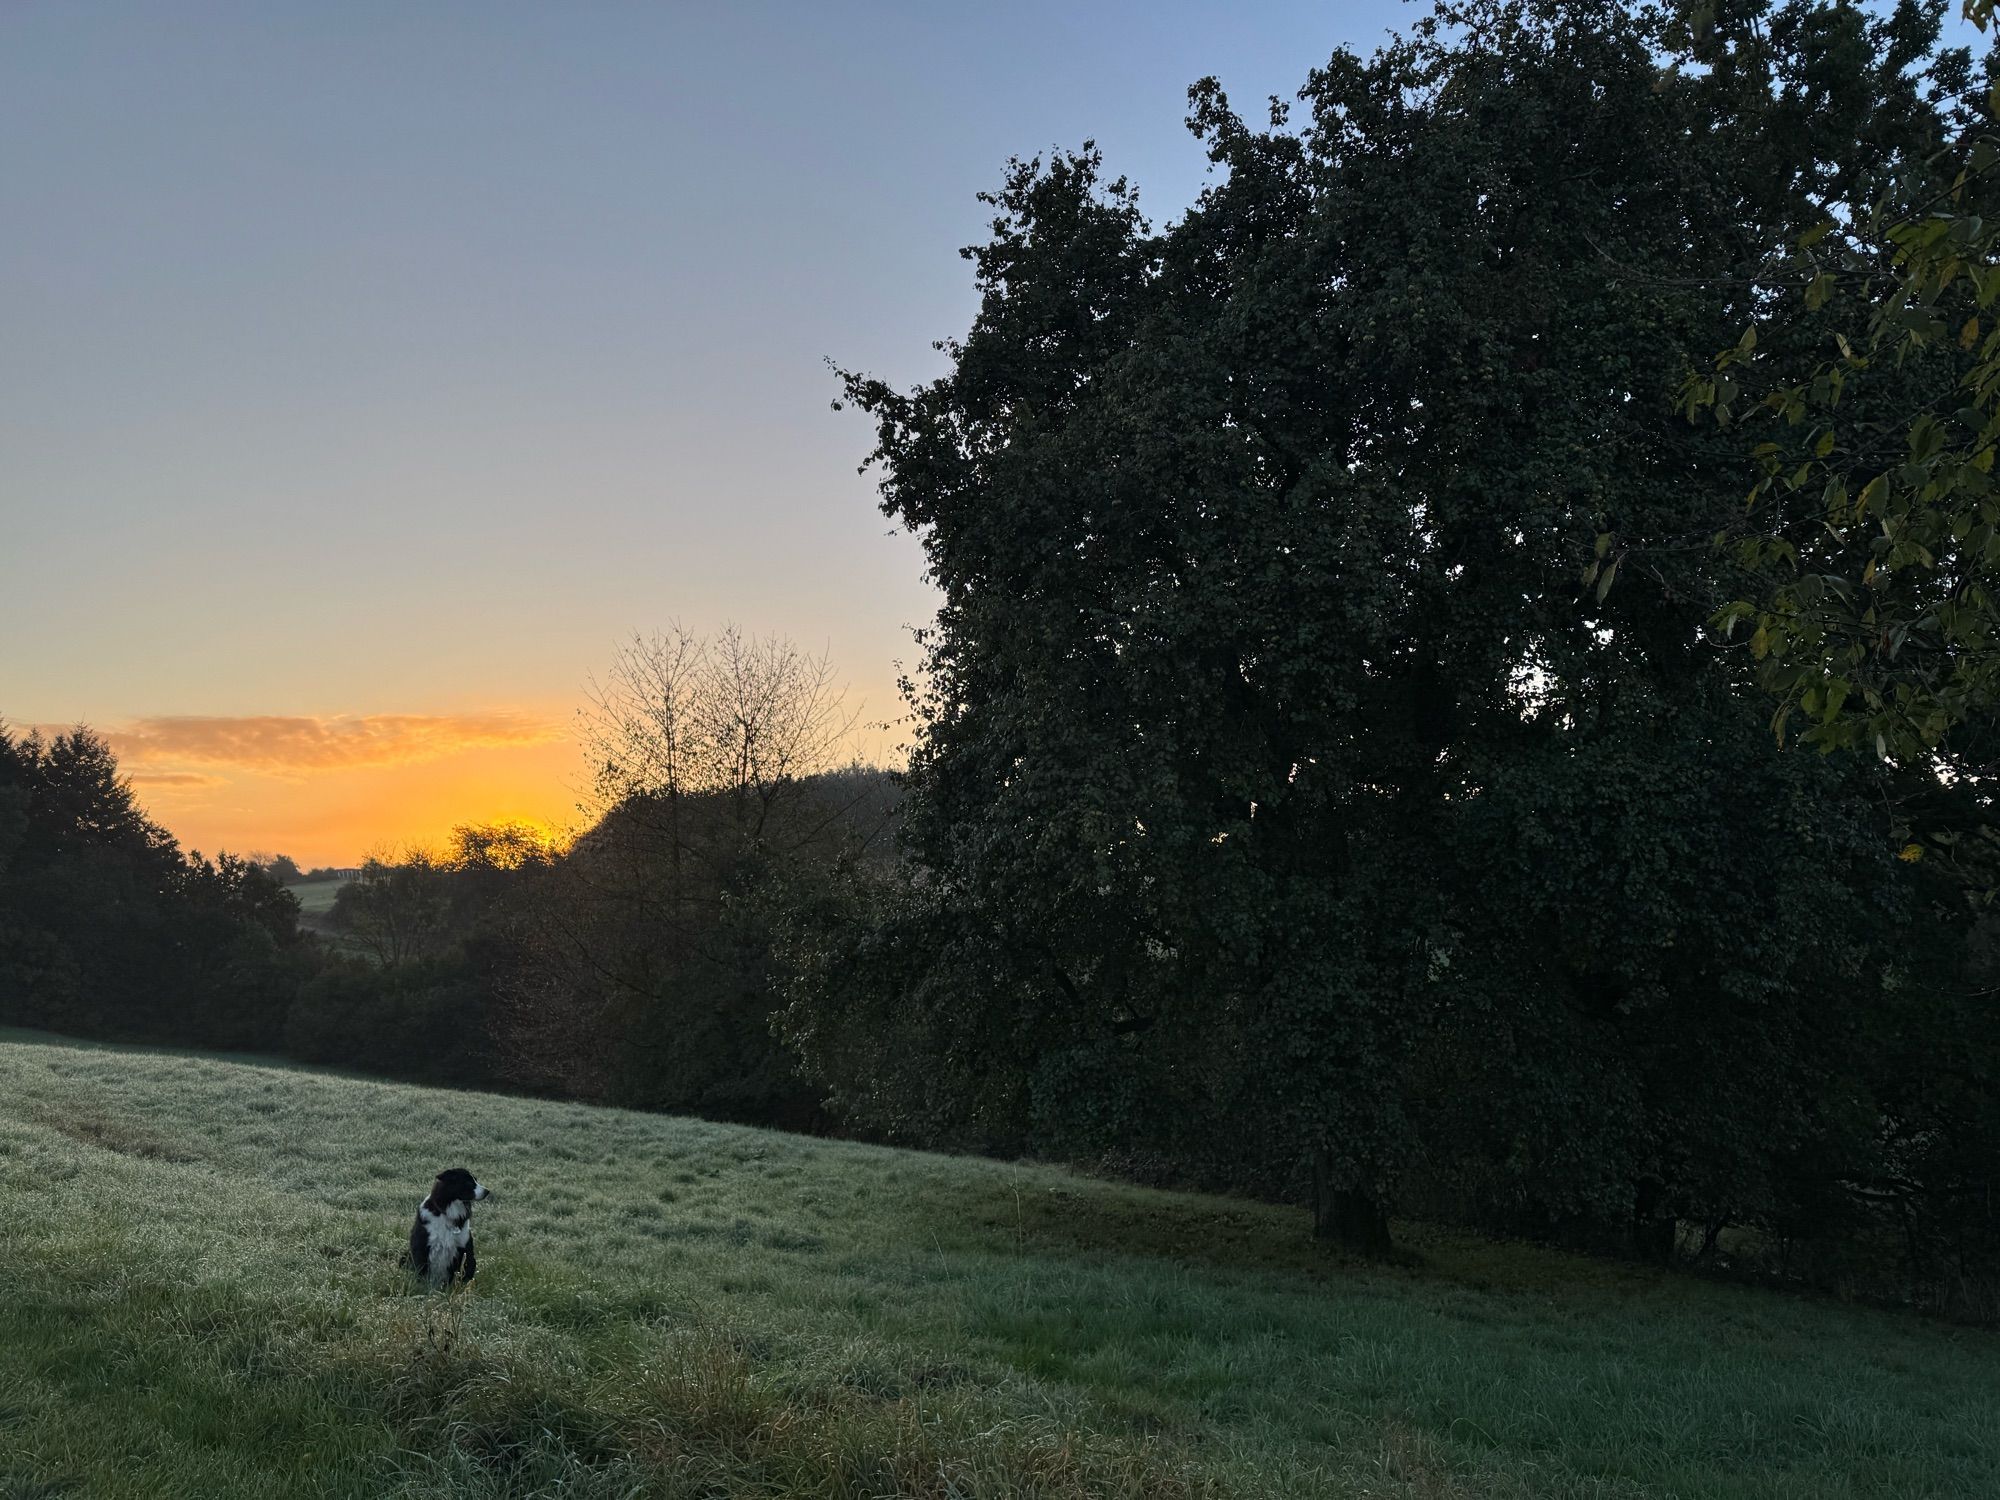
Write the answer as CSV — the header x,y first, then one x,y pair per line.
x,y
1911,853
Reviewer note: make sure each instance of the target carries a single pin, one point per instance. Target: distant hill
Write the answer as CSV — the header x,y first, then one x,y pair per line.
x,y
863,798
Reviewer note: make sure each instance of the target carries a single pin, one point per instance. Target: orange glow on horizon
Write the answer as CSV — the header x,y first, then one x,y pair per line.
x,y
337,807
337,789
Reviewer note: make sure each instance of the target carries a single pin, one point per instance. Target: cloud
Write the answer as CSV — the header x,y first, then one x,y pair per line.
x,y
174,778
295,746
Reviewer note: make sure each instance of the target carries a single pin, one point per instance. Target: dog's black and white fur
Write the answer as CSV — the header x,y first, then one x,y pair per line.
x,y
441,1239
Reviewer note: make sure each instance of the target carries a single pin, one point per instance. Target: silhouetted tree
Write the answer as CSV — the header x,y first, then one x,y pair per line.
x,y
654,981
106,929
1281,805
281,868
399,908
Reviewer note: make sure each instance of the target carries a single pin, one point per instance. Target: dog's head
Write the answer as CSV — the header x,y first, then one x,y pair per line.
x,y
454,1193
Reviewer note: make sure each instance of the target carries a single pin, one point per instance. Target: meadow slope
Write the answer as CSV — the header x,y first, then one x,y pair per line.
x,y
198,1297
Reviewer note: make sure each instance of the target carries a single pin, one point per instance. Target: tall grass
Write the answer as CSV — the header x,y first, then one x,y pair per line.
x,y
198,1296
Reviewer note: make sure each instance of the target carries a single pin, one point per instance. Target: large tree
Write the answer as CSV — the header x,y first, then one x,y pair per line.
x,y
1279,799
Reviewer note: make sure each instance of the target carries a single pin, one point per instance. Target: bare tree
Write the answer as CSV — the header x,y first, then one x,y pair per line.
x,y
707,792
701,754
748,716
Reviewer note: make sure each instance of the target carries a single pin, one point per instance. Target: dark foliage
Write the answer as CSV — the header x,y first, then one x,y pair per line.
x,y
107,929
1282,807
429,1020
653,967
282,868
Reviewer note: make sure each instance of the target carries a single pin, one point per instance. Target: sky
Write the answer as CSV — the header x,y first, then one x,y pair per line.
x,y
372,371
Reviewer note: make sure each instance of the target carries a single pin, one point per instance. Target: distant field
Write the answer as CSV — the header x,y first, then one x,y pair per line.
x,y
198,1298
316,897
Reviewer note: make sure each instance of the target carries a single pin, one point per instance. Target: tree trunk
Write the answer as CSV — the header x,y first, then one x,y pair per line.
x,y
1652,1230
1350,1216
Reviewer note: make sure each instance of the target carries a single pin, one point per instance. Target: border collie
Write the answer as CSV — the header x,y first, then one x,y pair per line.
x,y
441,1239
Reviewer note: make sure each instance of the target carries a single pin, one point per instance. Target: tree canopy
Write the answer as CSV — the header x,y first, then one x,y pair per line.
x,y
1282,805
1866,552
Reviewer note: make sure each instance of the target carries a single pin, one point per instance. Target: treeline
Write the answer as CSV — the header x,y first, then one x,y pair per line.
x,y
284,869
108,929
639,964
633,967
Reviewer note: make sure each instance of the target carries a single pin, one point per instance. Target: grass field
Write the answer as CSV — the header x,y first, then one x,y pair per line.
x,y
316,897
198,1298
